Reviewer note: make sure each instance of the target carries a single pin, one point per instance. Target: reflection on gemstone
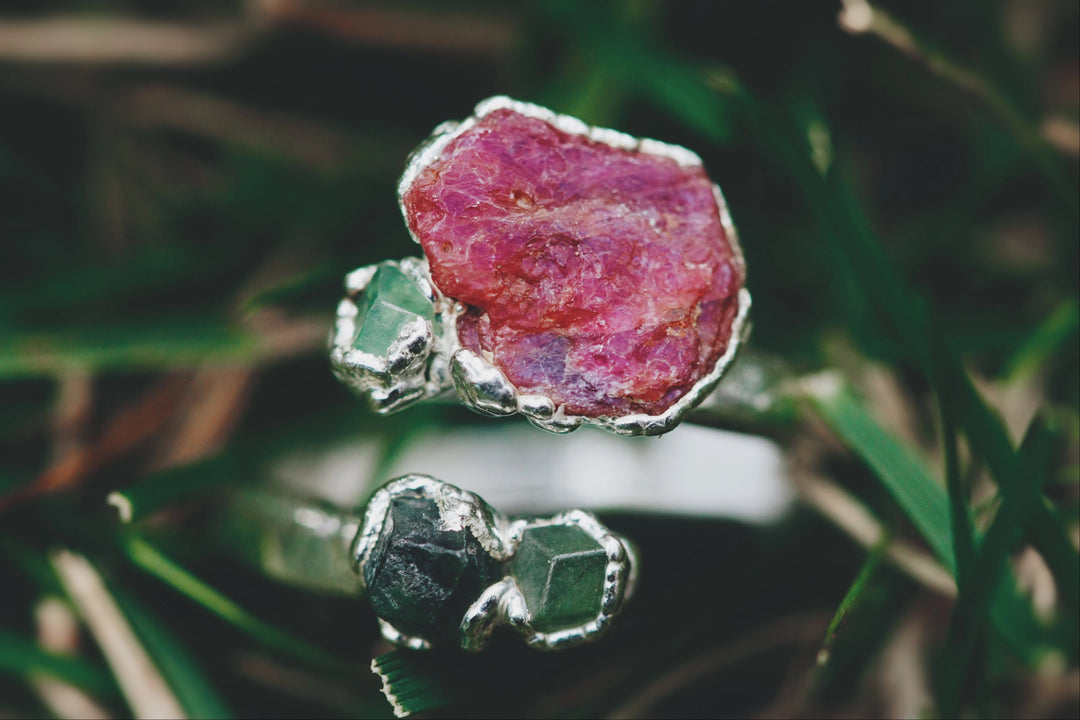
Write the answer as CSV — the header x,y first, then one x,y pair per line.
x,y
560,572
389,302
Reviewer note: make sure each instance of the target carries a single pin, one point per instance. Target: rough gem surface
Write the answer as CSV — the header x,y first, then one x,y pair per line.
x,y
597,276
421,578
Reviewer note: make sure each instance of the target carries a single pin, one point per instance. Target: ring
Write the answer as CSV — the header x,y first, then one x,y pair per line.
x,y
440,567
573,274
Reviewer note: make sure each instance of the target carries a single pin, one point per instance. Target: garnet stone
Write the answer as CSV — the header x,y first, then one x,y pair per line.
x,y
598,276
421,577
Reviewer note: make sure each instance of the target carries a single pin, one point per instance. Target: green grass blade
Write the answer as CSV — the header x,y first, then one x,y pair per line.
x,y
172,486
151,560
984,430
846,228
1024,130
853,596
22,657
958,672
972,607
907,479
1062,325
926,505
32,564
163,343
628,61
413,682
960,518
139,273
990,441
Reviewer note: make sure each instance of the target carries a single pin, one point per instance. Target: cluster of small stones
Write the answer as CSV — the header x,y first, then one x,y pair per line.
x,y
425,570
598,276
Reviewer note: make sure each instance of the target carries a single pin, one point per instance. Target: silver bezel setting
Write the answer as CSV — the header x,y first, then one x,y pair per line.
x,y
502,603
619,580
416,365
481,386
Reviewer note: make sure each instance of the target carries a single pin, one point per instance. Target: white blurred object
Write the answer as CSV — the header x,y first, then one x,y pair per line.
x,y
341,476
695,471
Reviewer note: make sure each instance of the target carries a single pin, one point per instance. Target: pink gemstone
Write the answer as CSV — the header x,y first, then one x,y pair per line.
x,y
597,276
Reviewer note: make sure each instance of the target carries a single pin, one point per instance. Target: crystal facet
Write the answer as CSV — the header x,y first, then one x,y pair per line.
x,y
598,276
389,302
560,571
421,578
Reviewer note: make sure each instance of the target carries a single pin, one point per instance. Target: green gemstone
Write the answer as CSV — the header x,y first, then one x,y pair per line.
x,y
560,571
387,304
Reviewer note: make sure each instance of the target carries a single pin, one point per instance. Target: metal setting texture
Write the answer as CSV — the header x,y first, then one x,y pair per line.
x,y
619,580
427,361
415,366
502,602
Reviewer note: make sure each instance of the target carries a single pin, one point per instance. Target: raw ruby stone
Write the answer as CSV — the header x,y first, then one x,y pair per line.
x,y
597,276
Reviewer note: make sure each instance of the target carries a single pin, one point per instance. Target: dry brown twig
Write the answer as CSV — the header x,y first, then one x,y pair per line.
x,y
129,427
848,514
439,31
146,691
853,518
218,395
304,141
863,17
116,40
902,679
119,40
71,412
58,632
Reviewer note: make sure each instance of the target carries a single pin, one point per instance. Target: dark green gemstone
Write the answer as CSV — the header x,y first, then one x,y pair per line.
x,y
560,571
388,302
422,579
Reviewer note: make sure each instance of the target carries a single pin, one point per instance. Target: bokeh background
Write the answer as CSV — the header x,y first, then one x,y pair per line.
x,y
183,186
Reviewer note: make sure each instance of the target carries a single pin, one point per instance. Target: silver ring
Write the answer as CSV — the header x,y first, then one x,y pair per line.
x,y
564,294
440,567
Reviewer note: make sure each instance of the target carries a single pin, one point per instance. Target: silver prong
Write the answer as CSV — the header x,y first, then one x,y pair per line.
x,y
481,385
413,367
